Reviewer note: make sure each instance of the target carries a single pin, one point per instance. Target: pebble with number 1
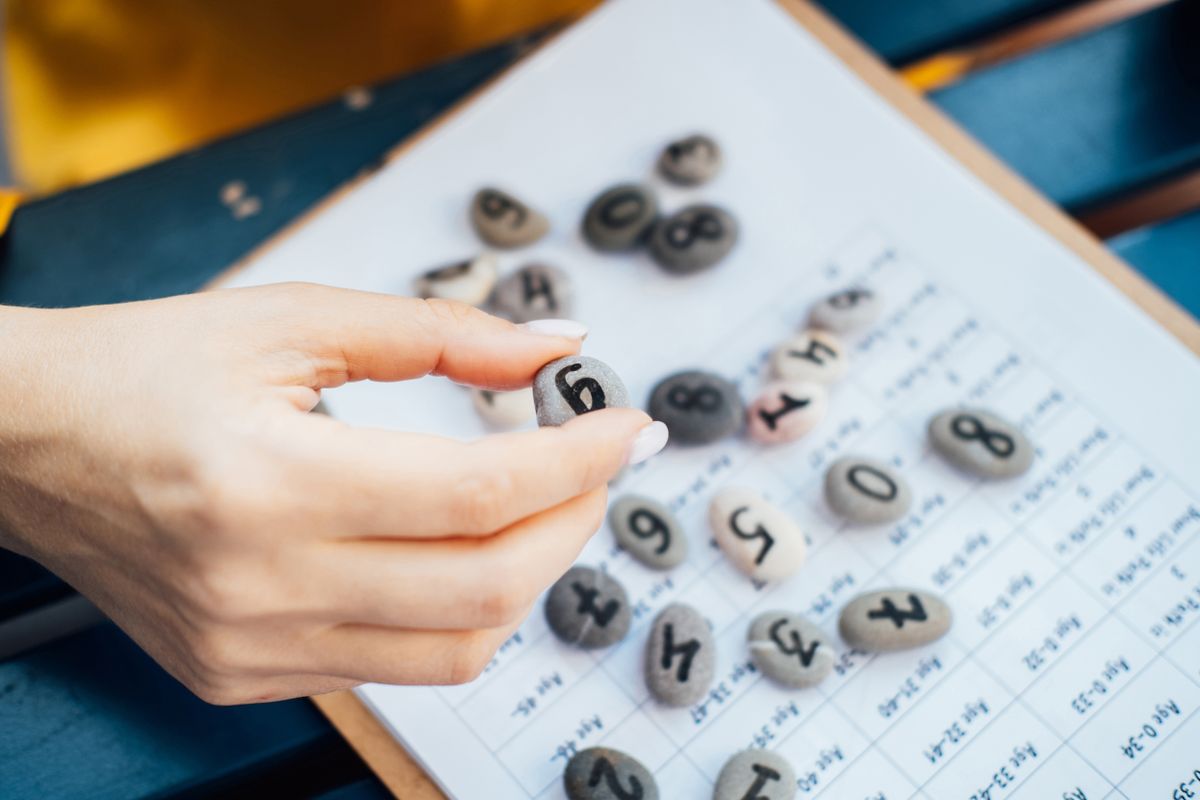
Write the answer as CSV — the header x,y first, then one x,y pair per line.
x,y
574,385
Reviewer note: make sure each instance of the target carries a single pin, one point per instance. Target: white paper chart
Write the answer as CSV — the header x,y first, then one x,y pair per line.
x,y
1072,668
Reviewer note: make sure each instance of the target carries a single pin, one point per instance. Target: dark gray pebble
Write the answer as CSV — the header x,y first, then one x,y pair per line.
x,y
693,238
681,656
620,217
698,407
602,773
502,220
588,608
691,160
648,531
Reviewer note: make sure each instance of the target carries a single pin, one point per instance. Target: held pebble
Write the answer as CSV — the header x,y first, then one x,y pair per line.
x,y
588,608
699,407
691,160
789,649
574,385
681,656
502,220
648,531
620,217
693,238
759,538
503,410
981,443
814,355
786,410
893,619
846,311
756,775
535,291
602,773
469,281
867,491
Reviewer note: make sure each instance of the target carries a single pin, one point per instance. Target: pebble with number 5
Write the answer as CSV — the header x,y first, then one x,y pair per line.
x,y
574,385
760,539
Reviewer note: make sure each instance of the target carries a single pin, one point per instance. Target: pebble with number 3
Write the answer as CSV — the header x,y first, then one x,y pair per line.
x,y
981,443
574,385
759,538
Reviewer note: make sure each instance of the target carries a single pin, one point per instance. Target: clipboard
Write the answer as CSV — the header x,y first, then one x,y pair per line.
x,y
390,761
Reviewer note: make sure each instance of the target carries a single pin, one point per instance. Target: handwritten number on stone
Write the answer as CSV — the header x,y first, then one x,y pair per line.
x,y
681,149
796,647
587,604
762,774
603,770
790,404
682,232
848,298
573,393
916,611
871,489
702,398
646,524
536,285
969,428
759,532
495,205
686,651
622,209
446,273
811,353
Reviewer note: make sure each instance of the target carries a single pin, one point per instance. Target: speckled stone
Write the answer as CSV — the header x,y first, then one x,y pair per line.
x,y
602,773
574,385
789,649
690,161
814,355
503,410
786,410
681,656
502,220
535,291
846,311
866,490
981,443
893,619
698,407
756,775
588,609
760,539
469,281
693,238
648,531
620,218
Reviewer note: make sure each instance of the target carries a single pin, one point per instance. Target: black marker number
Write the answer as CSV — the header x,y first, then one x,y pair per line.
x,y
877,486
759,532
970,428
796,646
603,770
888,610
645,524
573,393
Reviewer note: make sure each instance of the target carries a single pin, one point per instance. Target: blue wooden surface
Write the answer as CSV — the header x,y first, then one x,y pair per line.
x,y
1169,255
1097,116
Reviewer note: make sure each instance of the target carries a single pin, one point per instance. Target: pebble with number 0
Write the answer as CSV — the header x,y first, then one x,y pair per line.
x,y
620,217
786,410
846,311
760,539
574,385
981,443
588,608
814,355
681,656
691,160
867,491
789,649
698,407
648,531
535,291
893,619
756,775
502,220
469,281
693,238
602,773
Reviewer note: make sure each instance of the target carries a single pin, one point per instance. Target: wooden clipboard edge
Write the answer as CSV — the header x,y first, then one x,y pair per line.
x,y
389,760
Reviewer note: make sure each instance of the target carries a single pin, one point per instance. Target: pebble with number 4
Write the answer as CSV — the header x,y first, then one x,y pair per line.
x,y
814,355
574,385
681,656
759,538
786,410
893,619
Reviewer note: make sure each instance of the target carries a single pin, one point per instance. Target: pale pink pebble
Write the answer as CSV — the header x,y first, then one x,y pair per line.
x,y
786,410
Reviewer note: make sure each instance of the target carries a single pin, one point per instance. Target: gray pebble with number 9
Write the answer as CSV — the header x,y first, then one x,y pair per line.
x,y
574,385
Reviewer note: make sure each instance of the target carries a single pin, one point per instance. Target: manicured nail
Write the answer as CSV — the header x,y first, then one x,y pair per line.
x,y
648,442
556,327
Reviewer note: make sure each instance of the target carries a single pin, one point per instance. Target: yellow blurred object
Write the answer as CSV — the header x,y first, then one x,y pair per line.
x,y
95,87
9,200
938,71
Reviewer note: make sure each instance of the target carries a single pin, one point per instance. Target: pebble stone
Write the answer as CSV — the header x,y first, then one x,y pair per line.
x,y
756,775
789,649
786,410
469,281
846,310
681,656
602,773
698,407
866,490
574,385
981,443
893,619
620,217
693,238
814,355
691,160
502,220
648,531
535,291
503,410
759,538
588,608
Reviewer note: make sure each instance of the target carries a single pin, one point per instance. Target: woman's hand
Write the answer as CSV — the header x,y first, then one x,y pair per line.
x,y
159,457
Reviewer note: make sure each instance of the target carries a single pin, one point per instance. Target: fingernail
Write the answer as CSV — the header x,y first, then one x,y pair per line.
x,y
648,442
556,327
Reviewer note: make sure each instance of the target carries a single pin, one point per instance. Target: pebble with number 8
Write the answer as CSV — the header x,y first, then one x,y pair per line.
x,y
981,443
574,385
